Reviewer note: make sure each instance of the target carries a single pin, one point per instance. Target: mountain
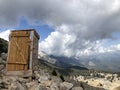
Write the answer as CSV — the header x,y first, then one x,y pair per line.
x,y
66,60
47,58
111,65
60,61
3,46
65,66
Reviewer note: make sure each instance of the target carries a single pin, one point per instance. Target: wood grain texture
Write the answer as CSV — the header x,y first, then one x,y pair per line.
x,y
19,50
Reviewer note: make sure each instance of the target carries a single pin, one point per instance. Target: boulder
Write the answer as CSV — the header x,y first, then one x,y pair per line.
x,y
0,60
55,79
43,78
117,88
12,87
3,85
66,86
38,87
31,84
54,86
23,80
16,86
77,88
2,67
47,83
4,56
36,74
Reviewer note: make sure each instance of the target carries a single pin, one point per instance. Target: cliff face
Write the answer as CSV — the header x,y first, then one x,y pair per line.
x,y
3,46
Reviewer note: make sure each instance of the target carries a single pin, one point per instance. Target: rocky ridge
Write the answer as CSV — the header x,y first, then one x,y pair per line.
x,y
102,80
42,79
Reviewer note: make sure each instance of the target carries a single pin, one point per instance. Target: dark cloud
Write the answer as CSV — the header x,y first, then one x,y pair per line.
x,y
80,26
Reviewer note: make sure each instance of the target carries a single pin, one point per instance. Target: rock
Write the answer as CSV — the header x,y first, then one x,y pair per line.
x,y
12,87
23,80
16,86
77,88
2,67
56,79
117,88
55,83
36,74
41,75
35,87
54,86
7,82
20,86
99,85
0,60
43,78
43,88
4,56
38,87
66,86
12,83
47,83
3,85
31,84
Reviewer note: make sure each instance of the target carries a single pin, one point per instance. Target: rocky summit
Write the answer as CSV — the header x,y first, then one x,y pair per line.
x,y
42,79
107,81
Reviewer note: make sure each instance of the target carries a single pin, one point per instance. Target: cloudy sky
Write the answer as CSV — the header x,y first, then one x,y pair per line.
x,y
72,28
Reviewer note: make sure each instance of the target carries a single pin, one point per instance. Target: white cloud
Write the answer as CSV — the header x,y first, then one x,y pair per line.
x,y
91,63
115,6
57,42
62,44
5,34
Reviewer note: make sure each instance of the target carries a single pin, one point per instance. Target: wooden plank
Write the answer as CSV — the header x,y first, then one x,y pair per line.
x,y
36,34
13,66
16,63
20,33
20,36
24,73
35,47
35,51
10,67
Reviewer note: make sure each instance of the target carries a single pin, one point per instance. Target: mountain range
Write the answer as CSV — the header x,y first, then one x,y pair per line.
x,y
67,62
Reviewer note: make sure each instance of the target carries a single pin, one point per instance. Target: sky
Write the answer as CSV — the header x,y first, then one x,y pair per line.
x,y
72,28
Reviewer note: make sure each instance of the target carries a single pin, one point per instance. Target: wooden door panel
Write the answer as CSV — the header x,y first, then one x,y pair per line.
x,y
18,51
16,67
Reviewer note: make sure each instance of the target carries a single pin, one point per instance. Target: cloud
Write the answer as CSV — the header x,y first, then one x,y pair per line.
x,y
87,23
91,64
5,34
81,26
